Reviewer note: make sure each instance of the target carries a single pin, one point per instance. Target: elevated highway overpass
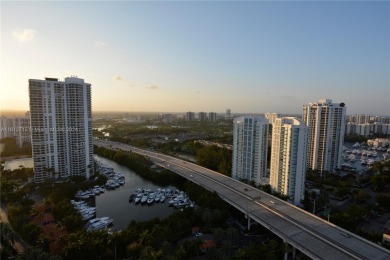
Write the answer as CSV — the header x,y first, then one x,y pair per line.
x,y
308,233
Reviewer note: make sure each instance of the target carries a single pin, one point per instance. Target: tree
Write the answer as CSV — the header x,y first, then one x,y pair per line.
x,y
8,236
145,237
166,247
231,234
362,196
181,252
148,252
218,233
383,200
207,217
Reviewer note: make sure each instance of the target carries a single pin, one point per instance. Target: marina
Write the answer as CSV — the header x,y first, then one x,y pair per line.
x,y
360,157
114,203
177,199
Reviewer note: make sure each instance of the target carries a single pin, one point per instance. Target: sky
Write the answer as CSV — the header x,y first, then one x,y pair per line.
x,y
178,56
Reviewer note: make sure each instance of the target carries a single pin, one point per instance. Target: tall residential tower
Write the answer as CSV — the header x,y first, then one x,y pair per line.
x,y
61,125
326,122
250,148
288,158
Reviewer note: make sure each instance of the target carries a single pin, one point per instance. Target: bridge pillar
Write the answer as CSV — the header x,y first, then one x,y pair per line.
x,y
294,253
285,251
249,221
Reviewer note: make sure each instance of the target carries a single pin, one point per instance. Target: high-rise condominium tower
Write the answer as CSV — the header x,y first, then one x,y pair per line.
x,y
288,157
212,117
250,147
326,122
61,124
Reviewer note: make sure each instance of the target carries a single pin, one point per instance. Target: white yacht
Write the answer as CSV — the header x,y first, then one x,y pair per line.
x,y
370,162
151,198
144,197
158,197
101,224
138,198
97,220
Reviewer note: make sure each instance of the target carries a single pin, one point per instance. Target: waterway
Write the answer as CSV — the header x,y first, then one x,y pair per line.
x,y
356,163
115,203
18,163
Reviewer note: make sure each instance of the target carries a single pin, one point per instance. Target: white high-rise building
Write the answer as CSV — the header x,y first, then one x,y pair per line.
x,y
250,148
326,122
288,158
61,124
271,117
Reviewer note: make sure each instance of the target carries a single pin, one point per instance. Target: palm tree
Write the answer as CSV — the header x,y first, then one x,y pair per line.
x,y
181,252
148,252
113,239
144,237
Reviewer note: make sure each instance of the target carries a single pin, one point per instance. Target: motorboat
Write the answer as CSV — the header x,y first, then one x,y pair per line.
x,y
88,216
98,225
132,197
86,209
82,196
90,222
157,198
144,197
138,198
75,203
175,200
181,204
151,198
162,199
370,162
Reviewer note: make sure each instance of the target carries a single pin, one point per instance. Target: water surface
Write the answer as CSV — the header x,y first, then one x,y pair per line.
x,y
115,203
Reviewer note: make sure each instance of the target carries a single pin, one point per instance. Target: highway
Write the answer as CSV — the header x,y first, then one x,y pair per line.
x,y
308,233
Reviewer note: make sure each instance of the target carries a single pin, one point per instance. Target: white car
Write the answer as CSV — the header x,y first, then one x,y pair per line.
x,y
198,234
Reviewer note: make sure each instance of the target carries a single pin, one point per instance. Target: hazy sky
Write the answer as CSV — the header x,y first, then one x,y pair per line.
x,y
173,56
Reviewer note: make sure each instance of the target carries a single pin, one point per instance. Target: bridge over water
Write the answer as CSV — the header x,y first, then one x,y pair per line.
x,y
306,232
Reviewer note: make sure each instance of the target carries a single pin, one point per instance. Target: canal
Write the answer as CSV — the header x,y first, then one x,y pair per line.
x,y
115,203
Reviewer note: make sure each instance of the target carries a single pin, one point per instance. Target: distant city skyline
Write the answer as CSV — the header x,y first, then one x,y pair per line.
x,y
250,57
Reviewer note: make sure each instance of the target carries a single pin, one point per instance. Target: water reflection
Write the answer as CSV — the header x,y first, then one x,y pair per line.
x,y
115,203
